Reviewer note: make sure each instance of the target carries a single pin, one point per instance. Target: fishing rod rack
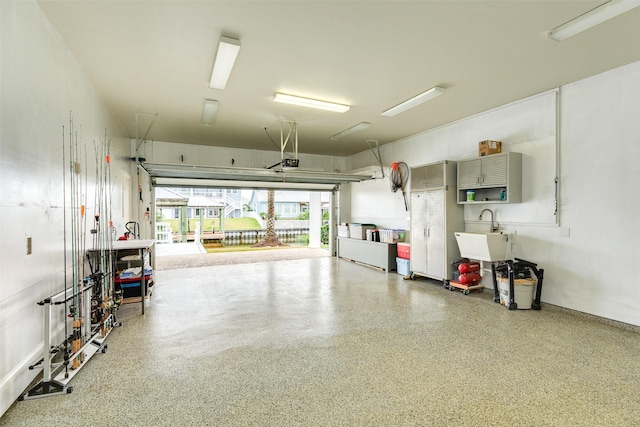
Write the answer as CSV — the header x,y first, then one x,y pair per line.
x,y
62,362
86,308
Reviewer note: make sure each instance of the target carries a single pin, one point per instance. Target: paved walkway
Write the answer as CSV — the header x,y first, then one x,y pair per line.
x,y
188,255
171,249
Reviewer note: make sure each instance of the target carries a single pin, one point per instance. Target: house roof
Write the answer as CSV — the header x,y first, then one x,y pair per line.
x,y
204,202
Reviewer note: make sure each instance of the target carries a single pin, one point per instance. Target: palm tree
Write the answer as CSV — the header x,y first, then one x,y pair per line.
x,y
270,237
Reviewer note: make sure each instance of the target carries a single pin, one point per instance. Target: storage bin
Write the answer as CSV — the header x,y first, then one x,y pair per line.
x,y
403,266
359,231
404,250
131,289
391,236
343,231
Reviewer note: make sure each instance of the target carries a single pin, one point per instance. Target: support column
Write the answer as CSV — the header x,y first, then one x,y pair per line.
x,y
200,229
315,219
183,223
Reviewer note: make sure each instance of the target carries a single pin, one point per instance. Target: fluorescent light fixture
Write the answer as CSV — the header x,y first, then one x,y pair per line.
x,y
353,129
308,102
592,18
413,102
226,55
209,111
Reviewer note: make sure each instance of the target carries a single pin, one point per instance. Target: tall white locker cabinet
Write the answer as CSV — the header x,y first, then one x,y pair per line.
x,y
435,216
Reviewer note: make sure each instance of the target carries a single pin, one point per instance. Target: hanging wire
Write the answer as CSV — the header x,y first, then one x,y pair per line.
x,y
376,152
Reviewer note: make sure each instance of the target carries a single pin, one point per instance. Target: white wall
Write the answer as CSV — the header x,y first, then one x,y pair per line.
x,y
595,141
42,86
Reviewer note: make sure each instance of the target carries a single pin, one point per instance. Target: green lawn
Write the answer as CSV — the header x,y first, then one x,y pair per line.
x,y
230,224
248,248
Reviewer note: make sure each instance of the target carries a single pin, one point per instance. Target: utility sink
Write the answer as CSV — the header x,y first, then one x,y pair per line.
x,y
482,246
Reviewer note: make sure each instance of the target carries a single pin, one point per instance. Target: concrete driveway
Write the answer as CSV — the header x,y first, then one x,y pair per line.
x,y
189,255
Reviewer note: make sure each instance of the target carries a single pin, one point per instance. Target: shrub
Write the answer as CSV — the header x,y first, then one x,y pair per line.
x,y
302,239
303,216
324,234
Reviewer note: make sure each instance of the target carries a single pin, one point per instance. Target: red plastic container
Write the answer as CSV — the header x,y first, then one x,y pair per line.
x,y
404,250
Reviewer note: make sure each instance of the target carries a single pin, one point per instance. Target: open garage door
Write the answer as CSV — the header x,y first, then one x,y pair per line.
x,y
179,175
172,175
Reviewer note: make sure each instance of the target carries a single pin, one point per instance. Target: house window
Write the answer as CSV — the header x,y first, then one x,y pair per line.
x,y
287,210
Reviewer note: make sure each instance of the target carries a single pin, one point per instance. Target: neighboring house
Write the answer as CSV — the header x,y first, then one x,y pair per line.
x,y
209,199
169,202
287,204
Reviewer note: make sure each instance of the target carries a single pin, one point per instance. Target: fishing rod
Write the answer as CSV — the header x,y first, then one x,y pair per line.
x,y
64,243
75,224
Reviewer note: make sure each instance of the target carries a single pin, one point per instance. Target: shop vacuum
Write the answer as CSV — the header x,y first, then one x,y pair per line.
x,y
513,270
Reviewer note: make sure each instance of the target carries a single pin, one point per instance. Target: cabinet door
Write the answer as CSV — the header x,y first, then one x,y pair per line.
x,y
469,173
435,233
494,171
418,232
428,177
435,175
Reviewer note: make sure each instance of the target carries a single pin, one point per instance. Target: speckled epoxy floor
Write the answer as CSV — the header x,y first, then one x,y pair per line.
x,y
324,342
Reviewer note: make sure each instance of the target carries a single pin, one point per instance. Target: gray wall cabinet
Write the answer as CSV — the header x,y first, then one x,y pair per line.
x,y
493,179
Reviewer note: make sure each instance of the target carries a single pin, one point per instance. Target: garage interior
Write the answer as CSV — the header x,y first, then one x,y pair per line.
x,y
113,98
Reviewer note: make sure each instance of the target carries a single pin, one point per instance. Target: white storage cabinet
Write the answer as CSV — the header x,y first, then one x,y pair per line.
x,y
435,216
376,254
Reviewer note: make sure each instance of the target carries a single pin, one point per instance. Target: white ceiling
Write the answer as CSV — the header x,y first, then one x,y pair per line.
x,y
156,57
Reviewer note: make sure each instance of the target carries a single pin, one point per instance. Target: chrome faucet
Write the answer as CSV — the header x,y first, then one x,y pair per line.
x,y
494,226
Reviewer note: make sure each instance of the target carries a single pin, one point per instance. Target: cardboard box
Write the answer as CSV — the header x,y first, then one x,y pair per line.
x,y
486,148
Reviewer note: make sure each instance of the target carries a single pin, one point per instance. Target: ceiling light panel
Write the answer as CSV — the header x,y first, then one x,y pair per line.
x,y
209,111
311,103
226,55
353,129
413,102
592,18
